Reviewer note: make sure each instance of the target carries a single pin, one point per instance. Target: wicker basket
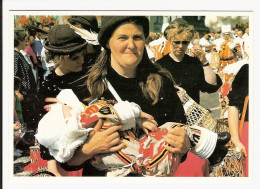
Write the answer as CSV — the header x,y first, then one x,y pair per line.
x,y
195,113
232,164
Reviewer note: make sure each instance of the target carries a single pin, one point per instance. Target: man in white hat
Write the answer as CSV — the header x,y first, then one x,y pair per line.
x,y
225,40
225,46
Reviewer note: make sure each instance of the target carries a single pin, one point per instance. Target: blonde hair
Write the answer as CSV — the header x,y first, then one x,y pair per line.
x,y
179,29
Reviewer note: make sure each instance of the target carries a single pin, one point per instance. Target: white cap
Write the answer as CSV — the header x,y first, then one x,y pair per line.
x,y
226,28
164,26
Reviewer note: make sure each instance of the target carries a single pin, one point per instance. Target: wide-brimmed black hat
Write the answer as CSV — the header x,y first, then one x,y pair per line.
x,y
110,23
62,39
87,22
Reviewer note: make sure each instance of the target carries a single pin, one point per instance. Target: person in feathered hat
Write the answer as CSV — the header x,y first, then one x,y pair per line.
x,y
87,28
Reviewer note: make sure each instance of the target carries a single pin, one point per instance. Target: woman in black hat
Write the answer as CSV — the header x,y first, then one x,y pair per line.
x,y
125,64
66,49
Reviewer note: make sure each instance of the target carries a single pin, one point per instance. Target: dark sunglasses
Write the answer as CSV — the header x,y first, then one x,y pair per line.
x,y
185,42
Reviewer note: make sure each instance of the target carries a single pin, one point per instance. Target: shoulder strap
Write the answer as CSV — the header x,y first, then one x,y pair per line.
x,y
112,90
243,117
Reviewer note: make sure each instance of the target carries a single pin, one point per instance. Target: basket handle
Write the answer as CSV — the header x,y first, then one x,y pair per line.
x,y
243,117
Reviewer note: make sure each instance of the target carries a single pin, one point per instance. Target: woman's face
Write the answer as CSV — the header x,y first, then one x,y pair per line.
x,y
23,44
179,46
127,45
31,40
71,63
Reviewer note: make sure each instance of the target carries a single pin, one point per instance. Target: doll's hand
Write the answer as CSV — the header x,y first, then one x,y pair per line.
x,y
148,122
66,109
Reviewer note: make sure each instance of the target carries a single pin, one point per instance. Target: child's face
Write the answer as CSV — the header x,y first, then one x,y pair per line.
x,y
71,63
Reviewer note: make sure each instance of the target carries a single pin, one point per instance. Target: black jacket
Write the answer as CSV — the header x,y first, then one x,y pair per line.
x,y
189,75
240,90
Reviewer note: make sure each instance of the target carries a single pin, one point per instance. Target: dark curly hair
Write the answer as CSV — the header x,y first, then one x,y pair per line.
x,y
19,35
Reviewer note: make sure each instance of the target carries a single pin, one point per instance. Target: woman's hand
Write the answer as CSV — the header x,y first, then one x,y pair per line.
x,y
148,122
17,126
106,141
98,142
201,55
239,145
178,140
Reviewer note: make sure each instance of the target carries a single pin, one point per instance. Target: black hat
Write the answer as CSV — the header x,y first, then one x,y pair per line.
x,y
110,23
87,22
36,29
62,39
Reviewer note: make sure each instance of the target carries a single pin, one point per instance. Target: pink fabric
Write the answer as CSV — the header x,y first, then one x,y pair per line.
x,y
244,140
31,53
193,166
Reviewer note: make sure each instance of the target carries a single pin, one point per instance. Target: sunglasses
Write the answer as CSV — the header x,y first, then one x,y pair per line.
x,y
185,42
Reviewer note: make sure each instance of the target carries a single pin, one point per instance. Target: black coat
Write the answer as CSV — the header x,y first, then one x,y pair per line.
x,y
28,89
240,89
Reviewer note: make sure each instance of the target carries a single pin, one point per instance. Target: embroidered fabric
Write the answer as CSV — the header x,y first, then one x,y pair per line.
x,y
67,133
147,153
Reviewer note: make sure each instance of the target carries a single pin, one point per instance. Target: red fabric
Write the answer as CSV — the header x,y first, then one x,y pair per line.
x,y
35,166
38,164
193,166
244,140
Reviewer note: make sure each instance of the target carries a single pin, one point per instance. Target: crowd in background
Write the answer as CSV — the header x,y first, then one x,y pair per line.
x,y
211,43
36,74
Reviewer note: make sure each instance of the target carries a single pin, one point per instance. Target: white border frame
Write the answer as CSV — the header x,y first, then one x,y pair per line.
x,y
198,6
